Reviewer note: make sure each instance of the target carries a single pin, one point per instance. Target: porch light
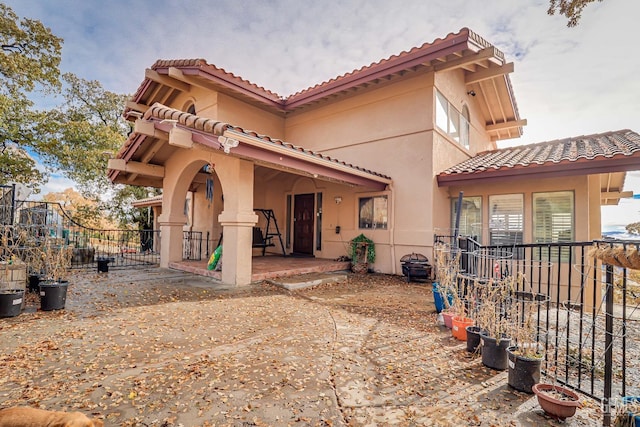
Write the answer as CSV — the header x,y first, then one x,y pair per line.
x,y
338,199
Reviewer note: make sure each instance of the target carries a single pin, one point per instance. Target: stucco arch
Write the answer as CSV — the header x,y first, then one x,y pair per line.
x,y
304,185
237,218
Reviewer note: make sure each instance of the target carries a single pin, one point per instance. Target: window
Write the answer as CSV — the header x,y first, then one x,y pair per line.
x,y
470,217
372,212
553,220
191,109
451,121
506,219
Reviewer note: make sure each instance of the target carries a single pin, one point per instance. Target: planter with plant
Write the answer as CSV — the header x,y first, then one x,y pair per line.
x,y
56,264
12,274
445,289
362,253
492,318
526,355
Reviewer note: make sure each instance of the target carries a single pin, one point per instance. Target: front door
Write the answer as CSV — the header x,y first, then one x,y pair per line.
x,y
303,220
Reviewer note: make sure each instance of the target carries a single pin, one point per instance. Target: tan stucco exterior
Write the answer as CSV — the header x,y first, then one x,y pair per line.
x,y
384,129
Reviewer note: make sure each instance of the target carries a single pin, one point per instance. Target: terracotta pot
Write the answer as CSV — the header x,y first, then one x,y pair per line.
x,y
459,329
557,402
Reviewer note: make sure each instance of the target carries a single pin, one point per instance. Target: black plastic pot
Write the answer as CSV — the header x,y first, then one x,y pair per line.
x,y
494,354
524,372
11,302
473,338
103,265
53,295
34,283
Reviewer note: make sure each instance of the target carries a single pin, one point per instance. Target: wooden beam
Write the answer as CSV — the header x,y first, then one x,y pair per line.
x,y
167,81
137,107
180,138
145,169
148,128
489,73
153,150
616,195
506,125
466,60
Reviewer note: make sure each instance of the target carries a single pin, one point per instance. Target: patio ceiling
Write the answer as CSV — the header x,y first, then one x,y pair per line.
x,y
163,130
485,68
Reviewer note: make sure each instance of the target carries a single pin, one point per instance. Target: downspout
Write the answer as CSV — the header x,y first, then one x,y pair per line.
x,y
392,230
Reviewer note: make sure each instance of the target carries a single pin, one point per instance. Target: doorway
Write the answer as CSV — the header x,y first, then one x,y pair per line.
x,y
303,221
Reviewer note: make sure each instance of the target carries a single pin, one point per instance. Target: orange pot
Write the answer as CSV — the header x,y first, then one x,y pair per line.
x,y
459,329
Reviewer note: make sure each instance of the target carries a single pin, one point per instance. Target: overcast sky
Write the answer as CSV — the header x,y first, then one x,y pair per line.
x,y
567,81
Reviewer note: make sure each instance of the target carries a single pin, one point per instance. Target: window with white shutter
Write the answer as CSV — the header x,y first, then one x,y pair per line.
x,y
553,219
506,219
470,217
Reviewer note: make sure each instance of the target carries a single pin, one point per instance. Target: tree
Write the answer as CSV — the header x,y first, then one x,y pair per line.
x,y
83,211
84,132
633,228
29,60
572,9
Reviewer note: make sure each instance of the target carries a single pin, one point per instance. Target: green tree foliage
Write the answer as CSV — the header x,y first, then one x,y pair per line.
x,y
126,214
84,132
572,9
29,60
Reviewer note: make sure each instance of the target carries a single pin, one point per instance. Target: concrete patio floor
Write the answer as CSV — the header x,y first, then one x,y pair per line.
x,y
153,347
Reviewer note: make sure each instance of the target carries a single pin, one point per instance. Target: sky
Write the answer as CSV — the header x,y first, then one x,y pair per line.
x,y
567,81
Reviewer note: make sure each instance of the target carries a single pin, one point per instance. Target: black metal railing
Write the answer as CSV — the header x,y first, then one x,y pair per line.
x,y
122,247
583,315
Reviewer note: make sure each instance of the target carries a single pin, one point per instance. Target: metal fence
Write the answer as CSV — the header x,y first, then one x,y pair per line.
x,y
584,315
122,248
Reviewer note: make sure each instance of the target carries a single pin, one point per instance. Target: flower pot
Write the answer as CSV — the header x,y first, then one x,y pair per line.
x,y
11,302
448,319
53,295
524,371
438,297
473,338
494,352
34,283
557,402
459,329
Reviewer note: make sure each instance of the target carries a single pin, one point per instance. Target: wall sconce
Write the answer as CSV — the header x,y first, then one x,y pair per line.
x,y
472,93
338,199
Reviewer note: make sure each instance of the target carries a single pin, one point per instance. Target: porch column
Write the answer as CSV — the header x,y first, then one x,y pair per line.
x,y
171,227
237,221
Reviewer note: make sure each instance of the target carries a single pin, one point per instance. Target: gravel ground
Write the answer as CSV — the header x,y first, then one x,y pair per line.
x,y
156,347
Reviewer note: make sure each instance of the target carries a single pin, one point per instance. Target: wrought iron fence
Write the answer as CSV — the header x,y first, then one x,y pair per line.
x,y
587,319
122,248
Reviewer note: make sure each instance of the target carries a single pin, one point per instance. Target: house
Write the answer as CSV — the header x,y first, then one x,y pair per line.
x,y
384,150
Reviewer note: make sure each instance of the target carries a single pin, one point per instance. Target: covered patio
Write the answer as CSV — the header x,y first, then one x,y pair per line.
x,y
268,267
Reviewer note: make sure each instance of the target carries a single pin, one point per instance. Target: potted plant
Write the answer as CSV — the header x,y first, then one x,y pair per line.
x,y
12,274
362,253
526,355
445,287
56,264
492,318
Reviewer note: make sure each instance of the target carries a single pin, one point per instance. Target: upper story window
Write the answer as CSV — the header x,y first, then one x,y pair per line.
x,y
191,109
372,212
451,121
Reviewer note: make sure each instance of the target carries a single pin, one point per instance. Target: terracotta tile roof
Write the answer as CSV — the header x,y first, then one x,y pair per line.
x,y
415,57
623,144
206,125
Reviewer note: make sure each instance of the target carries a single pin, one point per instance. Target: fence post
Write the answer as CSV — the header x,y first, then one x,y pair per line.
x,y
608,355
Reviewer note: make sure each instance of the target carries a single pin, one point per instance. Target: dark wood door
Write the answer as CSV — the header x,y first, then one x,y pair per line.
x,y
303,220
